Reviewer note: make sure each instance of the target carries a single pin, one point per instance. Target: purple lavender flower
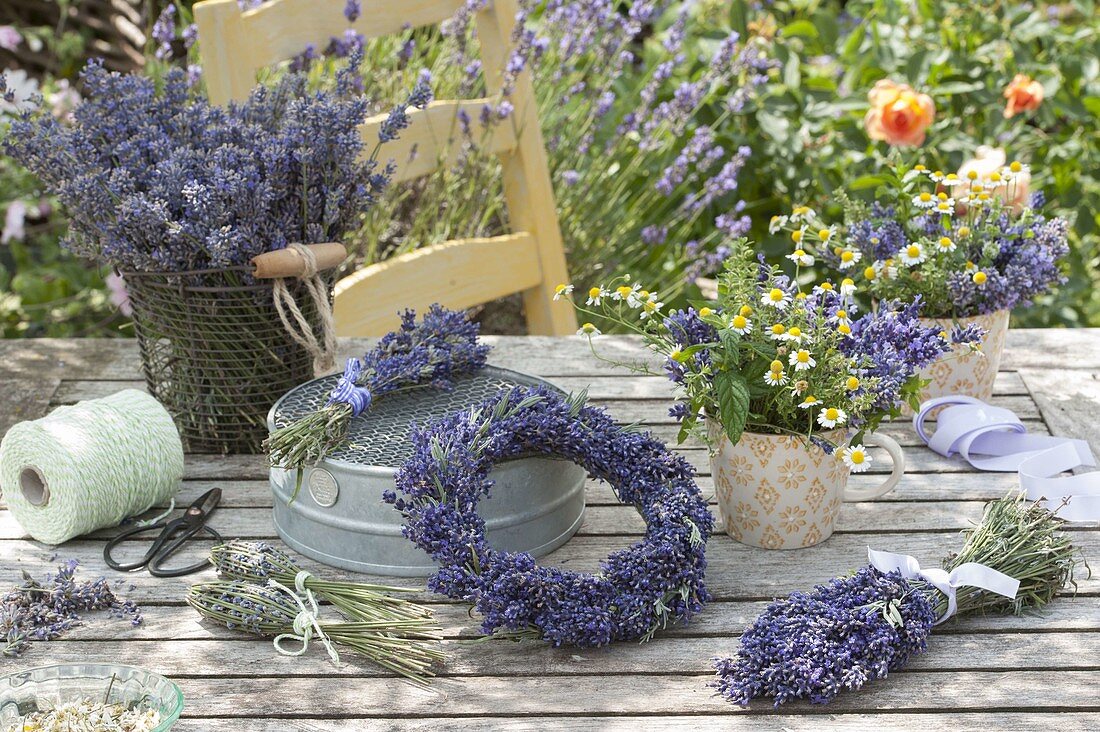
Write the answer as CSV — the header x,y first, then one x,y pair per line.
x,y
839,636
890,345
352,10
42,611
164,32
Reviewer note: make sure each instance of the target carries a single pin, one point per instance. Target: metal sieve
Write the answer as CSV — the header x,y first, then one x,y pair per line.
x,y
338,518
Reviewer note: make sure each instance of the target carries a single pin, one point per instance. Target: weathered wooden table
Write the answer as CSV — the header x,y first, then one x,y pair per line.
x,y
989,673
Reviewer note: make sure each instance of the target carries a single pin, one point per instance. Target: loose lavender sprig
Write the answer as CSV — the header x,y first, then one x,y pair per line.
x,y
42,611
401,646
258,562
431,353
859,628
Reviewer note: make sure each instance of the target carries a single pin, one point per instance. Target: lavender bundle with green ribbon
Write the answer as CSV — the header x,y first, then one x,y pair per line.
x,y
259,562
859,628
292,614
431,353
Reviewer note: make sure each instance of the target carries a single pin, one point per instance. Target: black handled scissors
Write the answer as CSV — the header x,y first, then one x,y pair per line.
x,y
174,534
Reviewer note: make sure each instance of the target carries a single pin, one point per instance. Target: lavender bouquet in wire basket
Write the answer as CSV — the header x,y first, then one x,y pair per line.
x,y
858,628
443,345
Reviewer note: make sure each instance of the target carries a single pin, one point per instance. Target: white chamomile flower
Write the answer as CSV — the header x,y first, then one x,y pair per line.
x,y
831,417
936,176
801,213
651,305
776,298
841,318
628,294
596,295
776,376
794,334
826,235
945,207
885,269
562,291
588,330
808,402
778,331
970,267
849,258
912,255
1015,168
856,458
800,257
848,288
777,223
945,244
740,324
924,200
802,360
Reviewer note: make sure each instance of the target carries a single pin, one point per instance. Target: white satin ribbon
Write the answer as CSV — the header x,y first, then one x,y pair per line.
x,y
970,574
994,439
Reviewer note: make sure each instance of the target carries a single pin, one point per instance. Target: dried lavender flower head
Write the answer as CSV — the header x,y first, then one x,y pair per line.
x,y
251,560
158,179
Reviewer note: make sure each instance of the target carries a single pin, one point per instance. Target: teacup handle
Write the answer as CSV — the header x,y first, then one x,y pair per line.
x,y
897,457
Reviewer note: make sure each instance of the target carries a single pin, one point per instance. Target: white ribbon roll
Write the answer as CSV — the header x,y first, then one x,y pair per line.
x,y
970,574
994,439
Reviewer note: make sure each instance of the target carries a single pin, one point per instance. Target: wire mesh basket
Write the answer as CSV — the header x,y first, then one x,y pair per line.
x,y
215,352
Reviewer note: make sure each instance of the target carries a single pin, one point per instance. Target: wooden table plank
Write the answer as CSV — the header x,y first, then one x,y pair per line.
x,y
609,694
673,655
957,721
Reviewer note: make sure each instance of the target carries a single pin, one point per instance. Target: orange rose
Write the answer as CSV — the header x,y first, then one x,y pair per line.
x,y
1024,94
898,114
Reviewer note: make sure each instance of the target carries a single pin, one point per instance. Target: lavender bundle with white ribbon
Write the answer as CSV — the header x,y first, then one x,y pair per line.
x,y
431,353
860,627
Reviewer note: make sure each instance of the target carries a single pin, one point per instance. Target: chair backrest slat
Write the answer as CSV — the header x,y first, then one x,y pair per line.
x,y
462,273
236,45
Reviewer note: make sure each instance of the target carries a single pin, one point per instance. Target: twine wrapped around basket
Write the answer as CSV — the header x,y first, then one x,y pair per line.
x,y
220,346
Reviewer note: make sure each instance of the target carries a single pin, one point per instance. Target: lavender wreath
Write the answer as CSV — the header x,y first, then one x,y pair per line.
x,y
637,591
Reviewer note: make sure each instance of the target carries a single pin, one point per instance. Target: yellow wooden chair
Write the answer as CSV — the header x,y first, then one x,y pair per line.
x,y
458,274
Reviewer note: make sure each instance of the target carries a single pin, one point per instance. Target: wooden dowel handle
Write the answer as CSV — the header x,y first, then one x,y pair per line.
x,y
289,263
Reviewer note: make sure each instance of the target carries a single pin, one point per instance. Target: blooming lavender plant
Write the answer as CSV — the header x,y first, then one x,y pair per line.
x,y
643,182
637,591
859,628
161,181
42,611
428,354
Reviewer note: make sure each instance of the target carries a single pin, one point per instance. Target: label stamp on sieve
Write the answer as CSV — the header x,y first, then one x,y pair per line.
x,y
323,487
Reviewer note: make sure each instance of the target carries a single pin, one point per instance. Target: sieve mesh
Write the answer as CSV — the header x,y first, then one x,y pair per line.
x,y
380,436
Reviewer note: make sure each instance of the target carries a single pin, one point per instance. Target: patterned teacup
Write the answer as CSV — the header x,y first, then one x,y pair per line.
x,y
782,492
964,371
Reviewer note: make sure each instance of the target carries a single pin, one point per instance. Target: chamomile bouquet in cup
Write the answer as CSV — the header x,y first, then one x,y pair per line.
x,y
785,383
